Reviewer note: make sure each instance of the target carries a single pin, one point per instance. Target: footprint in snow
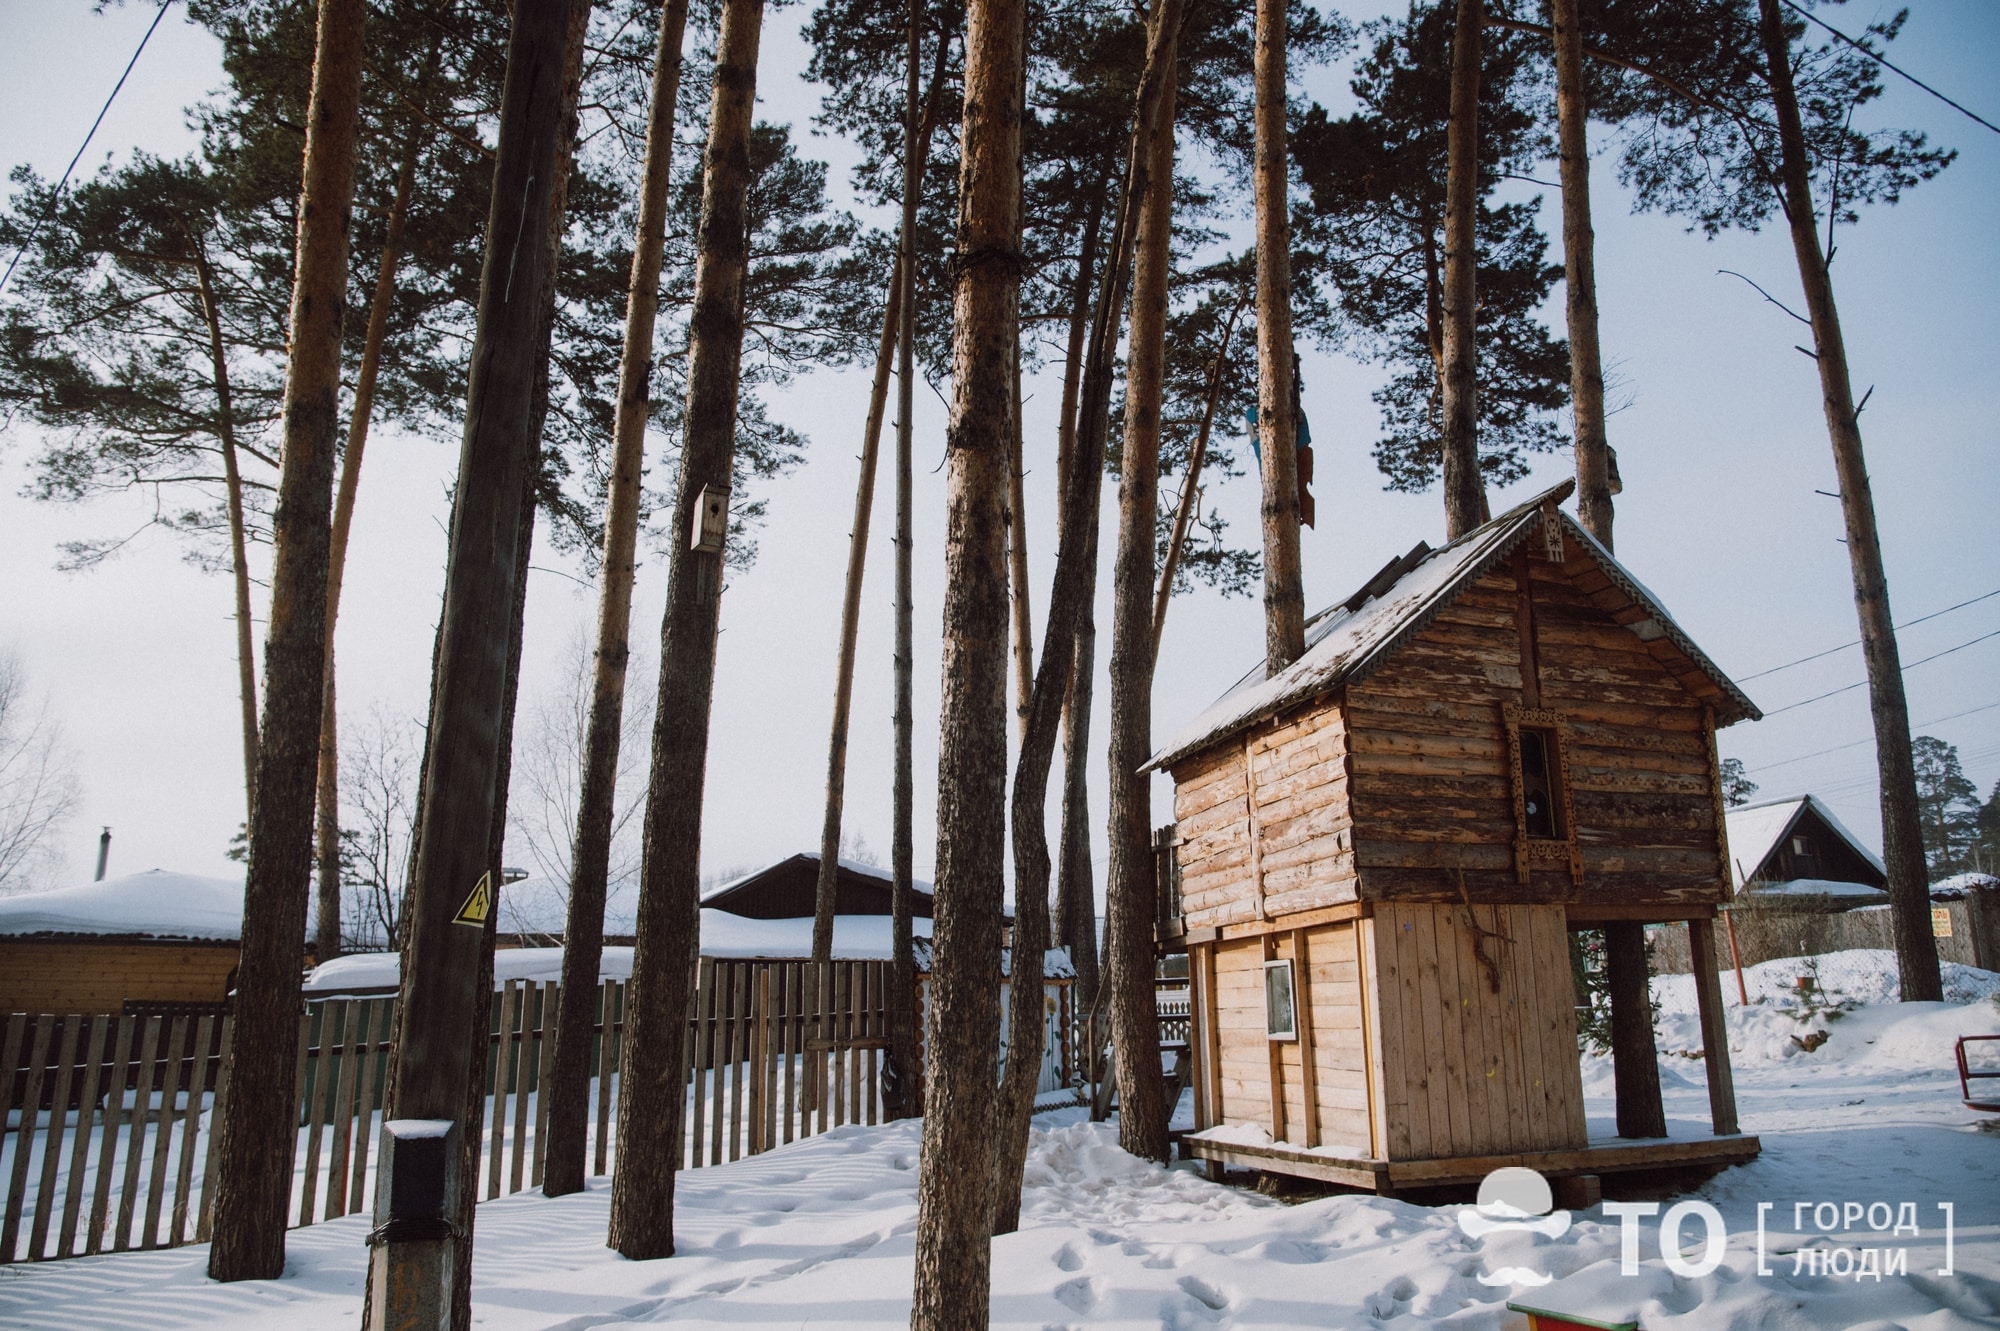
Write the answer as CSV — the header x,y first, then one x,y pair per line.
x,y
1079,1295
1204,1293
1067,1258
1392,1300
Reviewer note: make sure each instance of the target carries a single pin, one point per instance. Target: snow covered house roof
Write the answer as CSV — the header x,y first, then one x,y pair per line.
x,y
855,938
1351,639
787,890
154,904
1960,885
1757,834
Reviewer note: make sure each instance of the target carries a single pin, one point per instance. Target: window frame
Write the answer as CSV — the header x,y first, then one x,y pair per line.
x,y
1281,966
1531,851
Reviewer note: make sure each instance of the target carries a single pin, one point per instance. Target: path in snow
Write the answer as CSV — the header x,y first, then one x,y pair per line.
x,y
822,1232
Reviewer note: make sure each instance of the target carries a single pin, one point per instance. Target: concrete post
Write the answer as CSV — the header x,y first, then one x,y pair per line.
x,y
414,1242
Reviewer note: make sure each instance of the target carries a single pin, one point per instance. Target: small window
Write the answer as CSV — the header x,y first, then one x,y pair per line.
x,y
1801,847
1280,1020
1539,802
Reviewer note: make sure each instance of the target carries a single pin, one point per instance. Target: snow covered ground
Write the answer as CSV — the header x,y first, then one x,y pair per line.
x,y
822,1232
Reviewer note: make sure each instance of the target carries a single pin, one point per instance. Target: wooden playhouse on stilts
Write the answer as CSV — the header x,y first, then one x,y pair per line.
x,y
1382,851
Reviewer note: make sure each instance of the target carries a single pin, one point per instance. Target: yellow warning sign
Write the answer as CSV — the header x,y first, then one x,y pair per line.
x,y
479,906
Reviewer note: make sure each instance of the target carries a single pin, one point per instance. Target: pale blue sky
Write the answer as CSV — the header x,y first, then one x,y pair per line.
x,y
1722,450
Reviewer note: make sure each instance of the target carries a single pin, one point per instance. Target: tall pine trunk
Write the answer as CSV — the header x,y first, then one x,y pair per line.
x,y
583,935
1586,364
857,561
651,1100
1277,432
954,1199
1902,832
257,1133
1130,886
1076,898
903,1057
327,925
1464,487
239,554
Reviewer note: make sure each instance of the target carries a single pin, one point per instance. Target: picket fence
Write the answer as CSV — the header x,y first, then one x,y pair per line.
x,y
107,1144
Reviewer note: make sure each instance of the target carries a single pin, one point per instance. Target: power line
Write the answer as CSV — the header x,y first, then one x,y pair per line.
x,y
1821,753
1883,61
84,147
1908,623
1849,688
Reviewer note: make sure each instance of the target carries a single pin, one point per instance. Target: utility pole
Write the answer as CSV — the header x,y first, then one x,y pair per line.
x,y
451,896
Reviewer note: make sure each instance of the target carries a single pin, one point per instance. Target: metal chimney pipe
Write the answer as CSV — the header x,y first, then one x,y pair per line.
x,y
103,853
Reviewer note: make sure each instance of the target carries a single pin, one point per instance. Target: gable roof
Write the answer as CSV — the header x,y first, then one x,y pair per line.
x,y
1351,639
786,890
1755,830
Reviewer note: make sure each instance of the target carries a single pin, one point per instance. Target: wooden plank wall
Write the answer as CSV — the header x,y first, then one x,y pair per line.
x,y
1331,1033
1432,784
1264,823
88,977
1467,1070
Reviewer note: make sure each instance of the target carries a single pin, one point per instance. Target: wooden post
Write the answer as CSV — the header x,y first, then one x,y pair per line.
x,y
1303,1023
1635,1060
1736,957
1714,1029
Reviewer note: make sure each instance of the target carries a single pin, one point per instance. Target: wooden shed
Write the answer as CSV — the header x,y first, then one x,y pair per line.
x,y
1382,851
146,942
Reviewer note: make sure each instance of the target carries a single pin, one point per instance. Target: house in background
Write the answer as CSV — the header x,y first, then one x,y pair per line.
x,y
154,942
1796,847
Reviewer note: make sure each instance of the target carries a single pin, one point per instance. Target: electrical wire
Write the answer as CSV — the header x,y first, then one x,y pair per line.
x,y
63,184
1849,688
1883,61
1821,753
1908,623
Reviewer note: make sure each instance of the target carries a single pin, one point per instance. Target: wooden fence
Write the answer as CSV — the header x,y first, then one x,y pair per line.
x,y
107,1144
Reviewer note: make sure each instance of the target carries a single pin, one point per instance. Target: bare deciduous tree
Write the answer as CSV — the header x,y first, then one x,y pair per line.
x,y
38,785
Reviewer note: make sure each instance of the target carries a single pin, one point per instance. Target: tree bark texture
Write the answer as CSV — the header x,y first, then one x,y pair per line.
x,y
1902,832
258,1137
1635,1059
442,960
568,1129
1586,364
239,554
327,925
1464,487
1130,886
954,1200
651,1100
903,1057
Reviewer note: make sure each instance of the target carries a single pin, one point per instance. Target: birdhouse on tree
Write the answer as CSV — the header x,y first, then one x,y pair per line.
x,y
1383,849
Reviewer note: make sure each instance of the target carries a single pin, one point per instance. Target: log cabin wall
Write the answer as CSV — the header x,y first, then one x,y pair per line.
x,y
1477,1030
1264,824
1433,783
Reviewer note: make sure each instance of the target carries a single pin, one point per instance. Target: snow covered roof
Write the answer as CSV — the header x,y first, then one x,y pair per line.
x,y
1819,887
1756,829
855,938
1961,884
1349,640
154,904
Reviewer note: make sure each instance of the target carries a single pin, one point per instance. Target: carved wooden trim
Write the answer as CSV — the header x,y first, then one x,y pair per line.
x,y
1530,851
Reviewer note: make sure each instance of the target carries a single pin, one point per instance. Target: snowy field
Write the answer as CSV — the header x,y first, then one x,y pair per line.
x,y
822,1232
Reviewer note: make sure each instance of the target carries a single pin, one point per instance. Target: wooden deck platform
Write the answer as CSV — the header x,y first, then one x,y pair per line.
x,y
1388,1176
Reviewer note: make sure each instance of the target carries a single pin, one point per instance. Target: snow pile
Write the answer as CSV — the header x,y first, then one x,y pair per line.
x,y
1853,1016
154,904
